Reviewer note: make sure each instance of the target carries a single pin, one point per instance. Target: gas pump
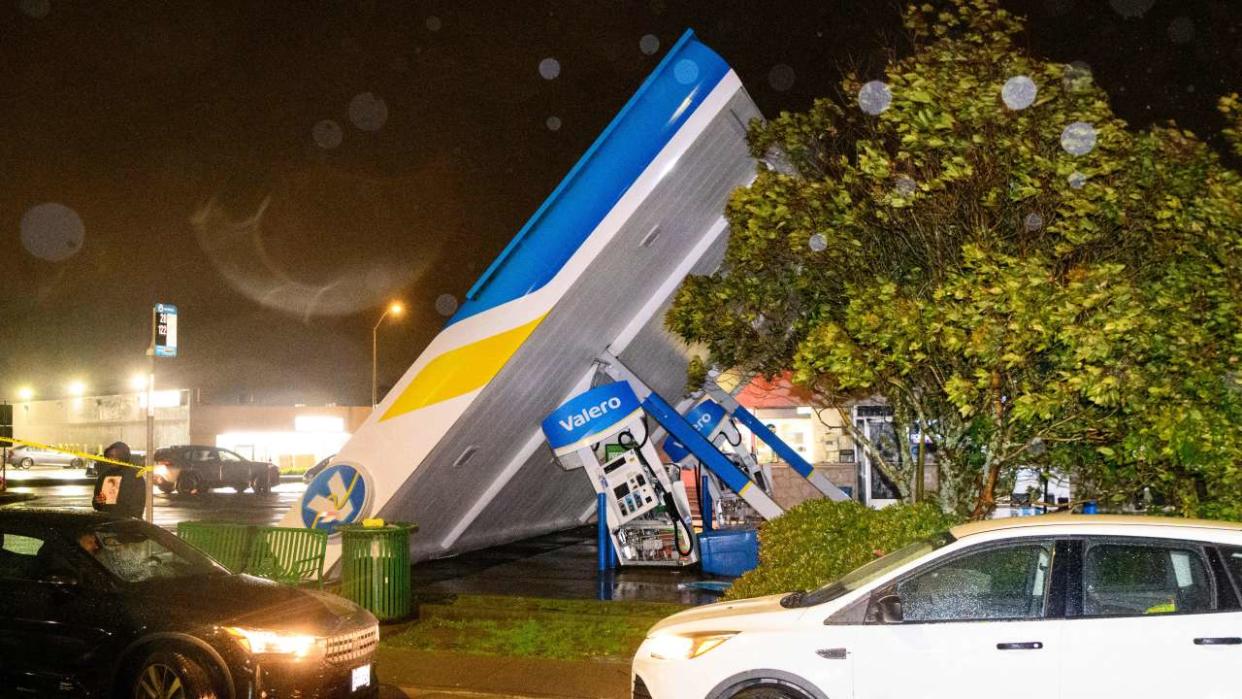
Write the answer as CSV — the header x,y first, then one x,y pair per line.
x,y
728,509
604,431
783,450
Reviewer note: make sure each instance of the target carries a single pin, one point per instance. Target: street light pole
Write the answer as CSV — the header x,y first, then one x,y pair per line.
x,y
395,309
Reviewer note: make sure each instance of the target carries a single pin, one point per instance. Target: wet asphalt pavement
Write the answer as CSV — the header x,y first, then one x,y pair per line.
x,y
62,488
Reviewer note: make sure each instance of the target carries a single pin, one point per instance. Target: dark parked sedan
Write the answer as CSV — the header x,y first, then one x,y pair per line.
x,y
192,469
97,606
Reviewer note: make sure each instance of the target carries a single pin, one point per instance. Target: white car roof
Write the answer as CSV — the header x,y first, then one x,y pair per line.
x,y
1089,523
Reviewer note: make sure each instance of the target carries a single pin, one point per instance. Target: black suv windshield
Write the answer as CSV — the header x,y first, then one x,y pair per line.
x,y
875,569
136,551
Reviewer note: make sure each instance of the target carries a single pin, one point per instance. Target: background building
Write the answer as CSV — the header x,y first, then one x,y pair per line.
x,y
292,437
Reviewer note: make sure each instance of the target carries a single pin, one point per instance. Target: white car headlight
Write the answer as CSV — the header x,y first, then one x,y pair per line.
x,y
294,646
675,646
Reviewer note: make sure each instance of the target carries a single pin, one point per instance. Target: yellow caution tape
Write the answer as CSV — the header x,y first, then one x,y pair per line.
x,y
142,470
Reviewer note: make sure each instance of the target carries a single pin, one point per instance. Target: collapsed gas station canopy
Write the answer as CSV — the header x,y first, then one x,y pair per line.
x,y
456,445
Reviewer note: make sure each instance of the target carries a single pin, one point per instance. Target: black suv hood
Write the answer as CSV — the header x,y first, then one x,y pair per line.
x,y
243,600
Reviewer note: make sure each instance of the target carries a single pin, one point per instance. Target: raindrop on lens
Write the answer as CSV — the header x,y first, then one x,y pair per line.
x,y
553,123
1181,30
649,44
434,23
1078,138
781,77
686,71
1033,222
874,97
37,9
905,186
368,112
1077,180
52,232
1077,76
549,68
446,304
818,243
327,134
1019,92
1131,8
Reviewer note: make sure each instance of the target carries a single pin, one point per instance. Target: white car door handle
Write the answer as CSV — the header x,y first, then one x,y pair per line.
x,y
1222,641
1026,645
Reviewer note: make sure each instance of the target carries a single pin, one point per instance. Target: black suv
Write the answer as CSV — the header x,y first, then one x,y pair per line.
x,y
98,606
191,469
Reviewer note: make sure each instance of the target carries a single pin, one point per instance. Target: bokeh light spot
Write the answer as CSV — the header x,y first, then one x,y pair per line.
x,y
818,243
686,71
649,44
368,112
1033,222
549,68
1078,138
1182,30
1077,180
1019,92
446,304
874,97
781,77
327,134
434,23
905,186
553,123
37,9
1077,76
1131,9
52,232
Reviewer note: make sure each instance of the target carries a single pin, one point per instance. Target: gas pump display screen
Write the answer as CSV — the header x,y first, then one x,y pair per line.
x,y
621,490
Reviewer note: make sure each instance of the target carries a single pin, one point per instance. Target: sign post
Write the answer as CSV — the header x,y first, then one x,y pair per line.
x,y
163,344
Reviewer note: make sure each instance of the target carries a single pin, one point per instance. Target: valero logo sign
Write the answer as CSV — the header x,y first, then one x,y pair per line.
x,y
704,417
589,414
340,494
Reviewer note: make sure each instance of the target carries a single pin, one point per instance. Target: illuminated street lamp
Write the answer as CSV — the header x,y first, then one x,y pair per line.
x,y
25,393
394,309
138,382
77,389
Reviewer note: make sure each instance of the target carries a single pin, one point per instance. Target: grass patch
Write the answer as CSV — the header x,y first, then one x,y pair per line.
x,y
559,629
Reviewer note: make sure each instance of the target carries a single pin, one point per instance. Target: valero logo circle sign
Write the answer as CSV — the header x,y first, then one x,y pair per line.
x,y
340,494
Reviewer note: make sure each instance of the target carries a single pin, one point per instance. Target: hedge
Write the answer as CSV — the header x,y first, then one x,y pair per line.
x,y
821,540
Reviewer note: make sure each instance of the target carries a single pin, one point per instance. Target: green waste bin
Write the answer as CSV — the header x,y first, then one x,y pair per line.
x,y
375,568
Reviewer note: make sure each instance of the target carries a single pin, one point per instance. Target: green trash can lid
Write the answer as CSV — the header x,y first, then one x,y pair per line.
x,y
387,527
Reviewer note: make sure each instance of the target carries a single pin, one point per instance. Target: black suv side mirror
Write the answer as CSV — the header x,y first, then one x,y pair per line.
x,y
888,609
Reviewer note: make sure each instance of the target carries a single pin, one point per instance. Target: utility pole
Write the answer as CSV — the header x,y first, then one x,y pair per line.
x,y
163,344
149,457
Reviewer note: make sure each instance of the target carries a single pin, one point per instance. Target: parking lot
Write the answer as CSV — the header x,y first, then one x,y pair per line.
x,y
59,487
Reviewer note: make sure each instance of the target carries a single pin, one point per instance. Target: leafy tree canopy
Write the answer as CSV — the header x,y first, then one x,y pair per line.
x,y
977,240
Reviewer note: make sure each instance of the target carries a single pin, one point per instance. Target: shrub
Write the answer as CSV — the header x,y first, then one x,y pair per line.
x,y
821,540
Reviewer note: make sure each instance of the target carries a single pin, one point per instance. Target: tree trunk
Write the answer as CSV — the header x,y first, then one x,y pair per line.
x,y
987,494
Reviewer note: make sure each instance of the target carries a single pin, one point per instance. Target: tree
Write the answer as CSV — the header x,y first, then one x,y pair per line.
x,y
978,241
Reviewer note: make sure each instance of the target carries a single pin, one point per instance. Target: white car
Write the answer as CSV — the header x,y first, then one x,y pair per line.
x,y
1069,606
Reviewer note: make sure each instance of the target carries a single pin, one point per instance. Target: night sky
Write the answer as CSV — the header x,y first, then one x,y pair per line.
x,y
279,170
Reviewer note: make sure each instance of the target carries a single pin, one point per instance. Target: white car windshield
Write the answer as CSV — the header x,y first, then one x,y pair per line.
x,y
870,571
